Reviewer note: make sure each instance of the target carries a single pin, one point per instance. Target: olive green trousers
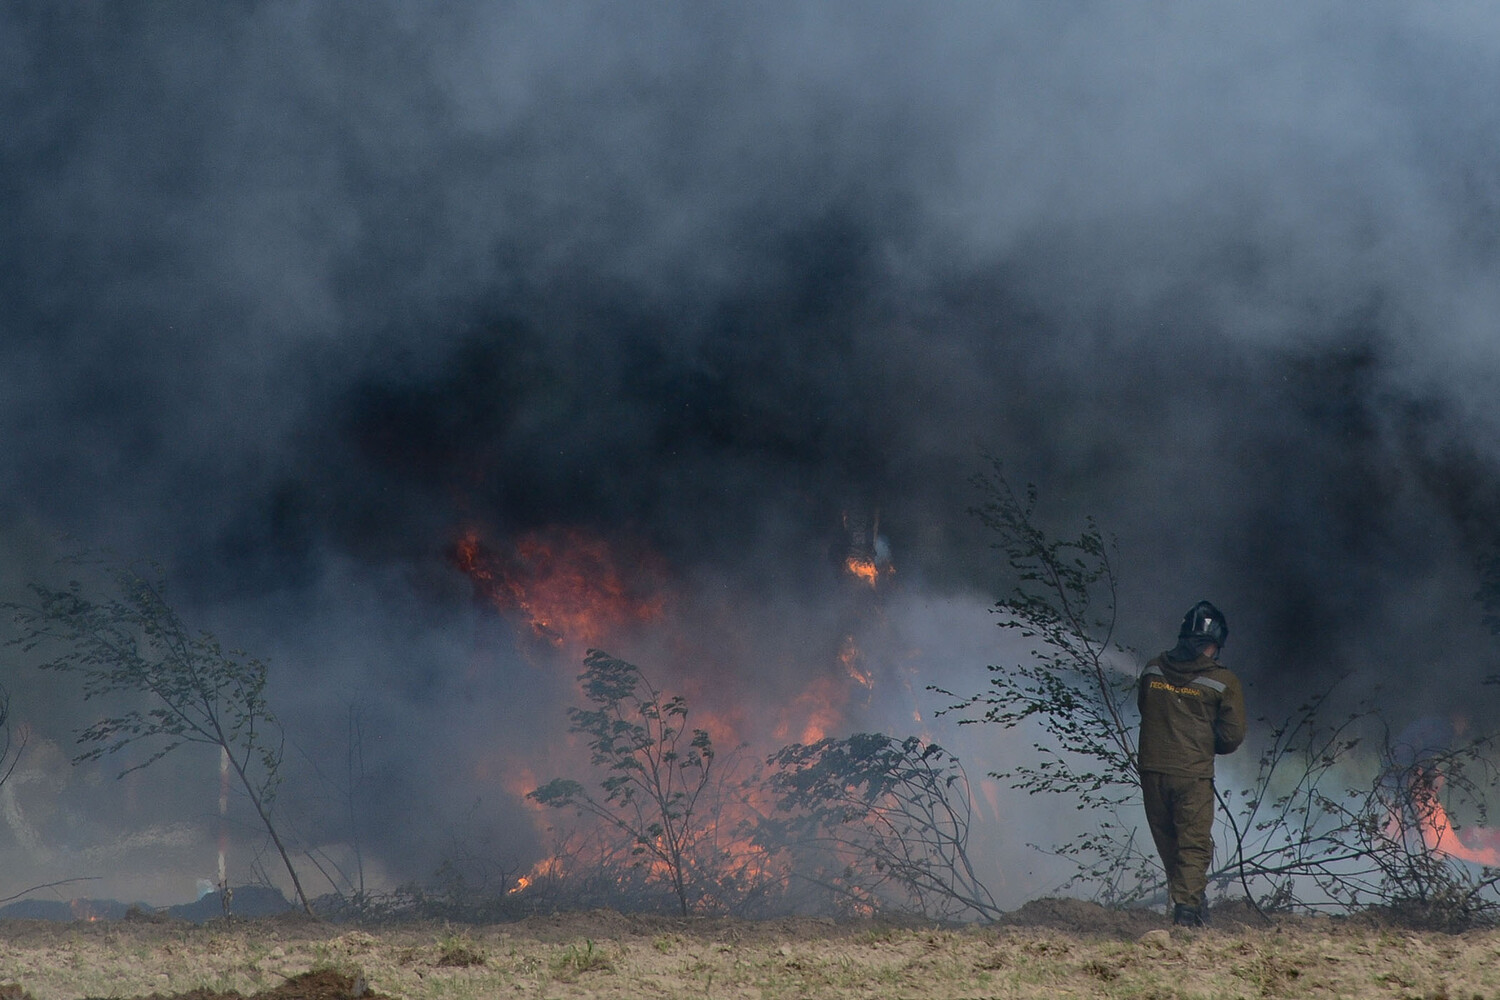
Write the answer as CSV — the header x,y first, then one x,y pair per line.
x,y
1180,812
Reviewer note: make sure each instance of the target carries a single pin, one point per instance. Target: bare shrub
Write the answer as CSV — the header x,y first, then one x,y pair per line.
x,y
133,643
872,820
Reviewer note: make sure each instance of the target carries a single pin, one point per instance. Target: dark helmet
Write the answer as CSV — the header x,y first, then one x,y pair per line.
x,y
1205,622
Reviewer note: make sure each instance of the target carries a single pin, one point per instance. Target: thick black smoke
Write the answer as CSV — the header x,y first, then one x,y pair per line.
x,y
294,294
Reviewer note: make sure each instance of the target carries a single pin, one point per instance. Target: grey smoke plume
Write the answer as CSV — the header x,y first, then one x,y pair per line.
x,y
295,293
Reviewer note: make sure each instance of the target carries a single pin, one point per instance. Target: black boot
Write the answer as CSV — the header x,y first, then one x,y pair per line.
x,y
1184,915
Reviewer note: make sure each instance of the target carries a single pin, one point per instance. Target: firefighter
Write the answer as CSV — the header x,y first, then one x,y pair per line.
x,y
1191,709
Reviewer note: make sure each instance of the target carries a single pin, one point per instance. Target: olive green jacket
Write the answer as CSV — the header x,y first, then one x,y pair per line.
x,y
1189,712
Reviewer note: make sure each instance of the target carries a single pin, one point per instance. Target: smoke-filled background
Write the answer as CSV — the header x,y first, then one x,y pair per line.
x,y
307,301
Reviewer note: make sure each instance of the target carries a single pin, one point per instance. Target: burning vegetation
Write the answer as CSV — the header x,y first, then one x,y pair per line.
x,y
869,557
566,584
1443,837
852,826
705,814
700,818
698,801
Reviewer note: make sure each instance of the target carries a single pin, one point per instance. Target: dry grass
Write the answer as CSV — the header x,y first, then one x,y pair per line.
x,y
599,955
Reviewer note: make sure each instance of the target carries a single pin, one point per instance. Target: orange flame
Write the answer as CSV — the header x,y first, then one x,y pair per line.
x,y
819,708
574,589
568,585
850,657
545,868
867,561
592,853
1480,845
863,570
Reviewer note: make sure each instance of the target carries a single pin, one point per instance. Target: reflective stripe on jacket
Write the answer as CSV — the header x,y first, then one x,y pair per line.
x,y
1189,712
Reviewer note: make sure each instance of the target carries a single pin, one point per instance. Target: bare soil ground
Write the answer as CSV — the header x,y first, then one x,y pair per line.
x,y
1048,948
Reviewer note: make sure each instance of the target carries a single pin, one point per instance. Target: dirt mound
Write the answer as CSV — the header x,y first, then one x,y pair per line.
x,y
323,984
1079,916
